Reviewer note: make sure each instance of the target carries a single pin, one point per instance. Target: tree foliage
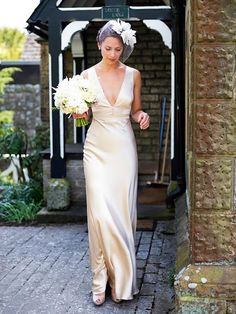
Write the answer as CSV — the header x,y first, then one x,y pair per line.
x,y
6,77
11,43
11,47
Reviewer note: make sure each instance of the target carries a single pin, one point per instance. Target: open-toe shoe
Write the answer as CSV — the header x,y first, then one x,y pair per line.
x,y
114,298
99,299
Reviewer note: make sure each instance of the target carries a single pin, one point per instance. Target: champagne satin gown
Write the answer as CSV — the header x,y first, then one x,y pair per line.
x,y
110,166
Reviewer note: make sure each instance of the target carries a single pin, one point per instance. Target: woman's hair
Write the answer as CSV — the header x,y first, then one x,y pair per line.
x,y
107,31
110,30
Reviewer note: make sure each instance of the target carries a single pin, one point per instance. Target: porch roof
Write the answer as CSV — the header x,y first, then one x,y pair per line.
x,y
50,9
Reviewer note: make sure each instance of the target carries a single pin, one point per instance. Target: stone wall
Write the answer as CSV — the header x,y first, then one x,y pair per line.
x,y
75,177
182,232
24,100
206,285
212,57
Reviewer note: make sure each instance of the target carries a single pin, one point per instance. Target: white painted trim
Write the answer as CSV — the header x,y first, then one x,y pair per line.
x,y
81,9
131,7
83,128
62,152
83,134
69,30
60,69
59,2
161,28
172,105
74,131
50,102
74,120
151,7
166,34
74,66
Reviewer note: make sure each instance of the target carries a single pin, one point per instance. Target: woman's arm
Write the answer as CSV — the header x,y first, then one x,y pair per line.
x,y
137,113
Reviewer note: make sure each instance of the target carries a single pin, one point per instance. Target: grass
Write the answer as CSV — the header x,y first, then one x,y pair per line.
x,y
18,211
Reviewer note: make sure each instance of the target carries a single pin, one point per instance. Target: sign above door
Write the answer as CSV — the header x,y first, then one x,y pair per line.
x,y
114,12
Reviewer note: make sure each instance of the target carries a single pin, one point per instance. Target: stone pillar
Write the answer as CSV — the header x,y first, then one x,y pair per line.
x,y
44,81
208,283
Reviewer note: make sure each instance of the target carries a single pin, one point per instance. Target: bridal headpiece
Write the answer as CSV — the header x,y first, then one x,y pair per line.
x,y
120,29
125,31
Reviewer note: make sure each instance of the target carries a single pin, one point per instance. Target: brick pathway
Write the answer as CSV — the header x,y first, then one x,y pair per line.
x,y
45,270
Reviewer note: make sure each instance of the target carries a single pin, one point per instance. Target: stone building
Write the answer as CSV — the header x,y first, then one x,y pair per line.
x,y
205,214
23,95
206,282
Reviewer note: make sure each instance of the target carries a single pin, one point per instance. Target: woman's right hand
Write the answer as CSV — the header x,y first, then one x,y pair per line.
x,y
77,115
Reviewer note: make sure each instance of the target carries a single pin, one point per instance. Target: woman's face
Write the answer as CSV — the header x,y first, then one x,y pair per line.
x,y
111,49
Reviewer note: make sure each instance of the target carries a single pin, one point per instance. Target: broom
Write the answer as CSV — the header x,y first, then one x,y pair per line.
x,y
160,182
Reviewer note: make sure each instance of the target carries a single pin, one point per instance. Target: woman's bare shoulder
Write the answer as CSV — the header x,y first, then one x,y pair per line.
x,y
136,72
136,75
85,72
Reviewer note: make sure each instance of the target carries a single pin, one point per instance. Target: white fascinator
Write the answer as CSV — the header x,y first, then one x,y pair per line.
x,y
120,29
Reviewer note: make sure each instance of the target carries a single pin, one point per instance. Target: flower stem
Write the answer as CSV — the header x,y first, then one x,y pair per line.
x,y
81,122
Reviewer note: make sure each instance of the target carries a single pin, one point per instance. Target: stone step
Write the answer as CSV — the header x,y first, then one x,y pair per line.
x,y
147,215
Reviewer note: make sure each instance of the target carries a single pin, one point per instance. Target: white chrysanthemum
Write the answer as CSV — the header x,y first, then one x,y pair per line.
x,y
89,96
74,95
61,95
82,108
80,82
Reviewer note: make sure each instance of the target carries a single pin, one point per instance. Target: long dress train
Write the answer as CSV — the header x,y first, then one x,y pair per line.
x,y
110,166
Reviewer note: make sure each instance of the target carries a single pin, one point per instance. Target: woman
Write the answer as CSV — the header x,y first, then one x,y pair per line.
x,y
110,164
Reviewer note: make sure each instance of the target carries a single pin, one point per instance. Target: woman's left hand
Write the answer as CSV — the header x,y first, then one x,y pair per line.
x,y
143,120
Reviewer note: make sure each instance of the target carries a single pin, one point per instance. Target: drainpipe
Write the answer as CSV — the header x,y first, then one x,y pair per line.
x,y
178,160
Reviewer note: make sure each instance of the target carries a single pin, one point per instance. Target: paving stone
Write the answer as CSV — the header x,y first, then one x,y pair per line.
x,y
141,263
46,270
143,311
146,302
153,259
164,299
151,268
142,247
140,273
148,289
150,278
146,241
142,255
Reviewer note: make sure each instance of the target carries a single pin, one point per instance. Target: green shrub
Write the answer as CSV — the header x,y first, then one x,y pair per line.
x,y
6,117
18,211
15,142
20,202
31,191
171,277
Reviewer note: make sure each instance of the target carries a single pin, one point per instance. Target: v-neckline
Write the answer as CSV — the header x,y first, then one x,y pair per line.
x,y
121,87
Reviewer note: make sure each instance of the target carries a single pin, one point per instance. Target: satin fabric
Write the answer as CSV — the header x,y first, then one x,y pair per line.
x,y
110,166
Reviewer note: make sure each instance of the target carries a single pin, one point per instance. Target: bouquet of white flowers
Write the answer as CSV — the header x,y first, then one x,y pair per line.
x,y
74,95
